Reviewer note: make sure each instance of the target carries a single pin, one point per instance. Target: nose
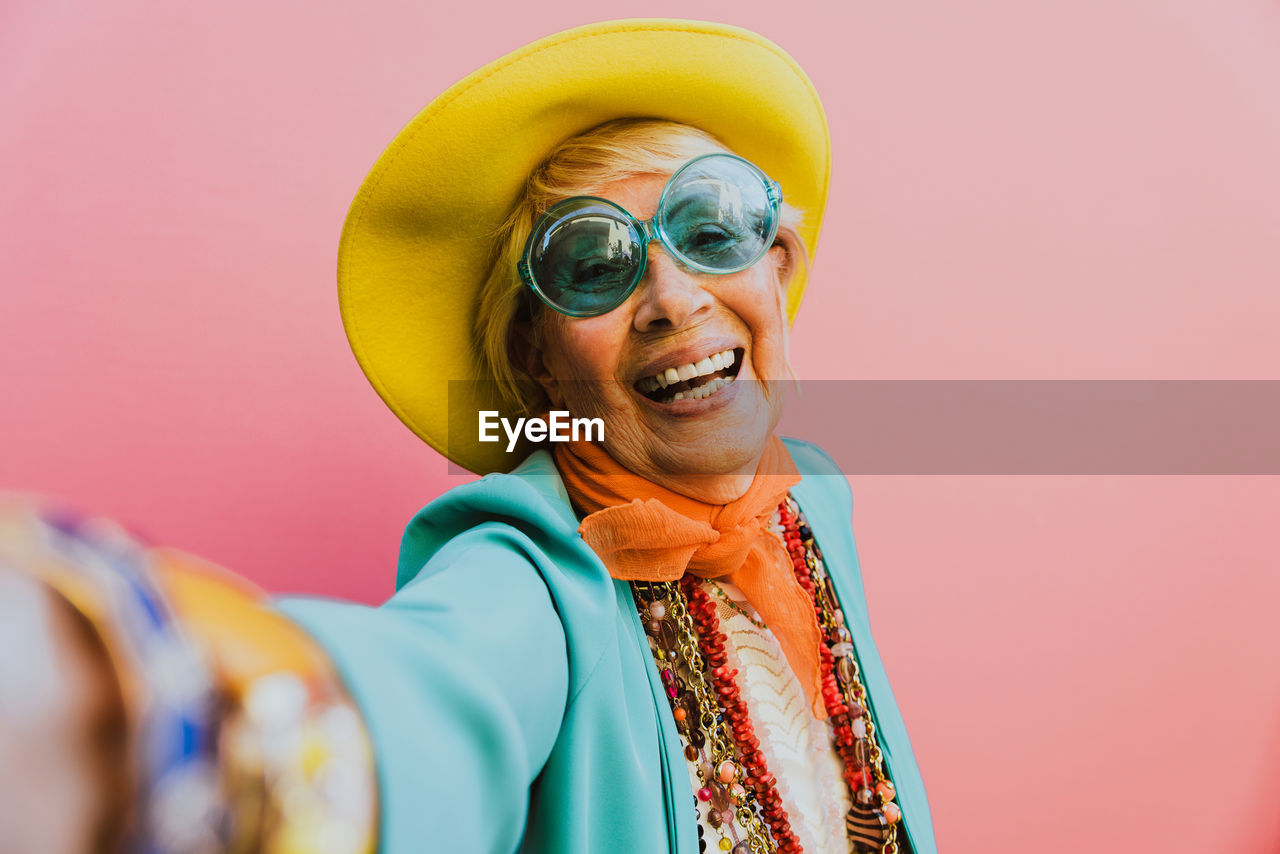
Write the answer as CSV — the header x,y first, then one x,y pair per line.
x,y
671,296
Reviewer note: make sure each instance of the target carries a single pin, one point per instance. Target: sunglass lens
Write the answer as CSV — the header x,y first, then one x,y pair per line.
x,y
585,258
718,215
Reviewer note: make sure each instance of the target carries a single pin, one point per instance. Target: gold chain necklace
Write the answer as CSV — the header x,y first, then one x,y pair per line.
x,y
735,784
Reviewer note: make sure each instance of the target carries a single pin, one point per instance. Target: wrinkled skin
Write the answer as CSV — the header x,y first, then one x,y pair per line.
x,y
707,449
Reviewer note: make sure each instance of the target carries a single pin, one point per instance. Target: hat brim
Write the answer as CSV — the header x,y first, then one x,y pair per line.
x,y
418,239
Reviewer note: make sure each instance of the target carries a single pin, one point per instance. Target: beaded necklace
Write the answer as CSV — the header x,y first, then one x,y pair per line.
x,y
745,807
726,599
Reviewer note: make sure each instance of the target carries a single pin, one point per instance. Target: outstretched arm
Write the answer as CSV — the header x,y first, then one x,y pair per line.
x,y
462,679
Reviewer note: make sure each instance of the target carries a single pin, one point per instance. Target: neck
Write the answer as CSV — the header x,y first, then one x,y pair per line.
x,y
595,480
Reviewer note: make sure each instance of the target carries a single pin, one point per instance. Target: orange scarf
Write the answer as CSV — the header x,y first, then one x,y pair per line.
x,y
645,532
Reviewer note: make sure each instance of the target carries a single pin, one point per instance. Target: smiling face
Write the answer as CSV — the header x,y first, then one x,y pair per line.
x,y
685,374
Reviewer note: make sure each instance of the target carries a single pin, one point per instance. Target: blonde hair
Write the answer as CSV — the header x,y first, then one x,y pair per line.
x,y
580,166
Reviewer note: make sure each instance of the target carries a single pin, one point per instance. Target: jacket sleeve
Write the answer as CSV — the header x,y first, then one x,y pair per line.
x,y
462,678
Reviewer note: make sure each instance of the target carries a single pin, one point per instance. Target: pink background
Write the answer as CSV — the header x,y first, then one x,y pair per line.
x,y
1021,190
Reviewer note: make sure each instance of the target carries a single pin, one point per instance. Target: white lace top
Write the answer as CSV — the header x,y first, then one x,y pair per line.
x,y
797,747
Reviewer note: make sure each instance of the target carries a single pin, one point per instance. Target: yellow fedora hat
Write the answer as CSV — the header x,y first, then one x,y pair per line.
x,y
419,236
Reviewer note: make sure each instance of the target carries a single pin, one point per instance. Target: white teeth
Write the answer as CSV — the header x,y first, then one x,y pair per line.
x,y
701,392
692,370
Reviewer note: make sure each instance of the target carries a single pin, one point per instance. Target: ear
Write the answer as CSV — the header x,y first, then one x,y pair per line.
x,y
527,352
788,252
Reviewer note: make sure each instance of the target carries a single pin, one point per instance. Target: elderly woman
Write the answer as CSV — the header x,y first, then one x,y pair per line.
x,y
651,636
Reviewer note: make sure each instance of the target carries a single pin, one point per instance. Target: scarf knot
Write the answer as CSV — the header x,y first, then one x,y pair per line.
x,y
645,532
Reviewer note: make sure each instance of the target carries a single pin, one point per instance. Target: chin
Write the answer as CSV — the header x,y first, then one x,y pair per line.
x,y
728,442
718,453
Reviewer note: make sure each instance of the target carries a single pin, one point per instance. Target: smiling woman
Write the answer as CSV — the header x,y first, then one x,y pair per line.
x,y
655,641
651,637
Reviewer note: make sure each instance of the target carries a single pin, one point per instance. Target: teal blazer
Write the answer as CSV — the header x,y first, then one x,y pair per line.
x,y
510,692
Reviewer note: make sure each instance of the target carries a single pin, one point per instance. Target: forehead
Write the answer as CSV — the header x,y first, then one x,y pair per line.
x,y
638,195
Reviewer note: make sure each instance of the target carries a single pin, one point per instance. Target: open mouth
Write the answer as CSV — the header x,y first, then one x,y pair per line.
x,y
693,381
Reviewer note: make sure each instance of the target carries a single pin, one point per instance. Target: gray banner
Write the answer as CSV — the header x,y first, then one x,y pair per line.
x,y
1035,427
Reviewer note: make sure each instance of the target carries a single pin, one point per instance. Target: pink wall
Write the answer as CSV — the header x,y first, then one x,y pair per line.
x,y
1021,190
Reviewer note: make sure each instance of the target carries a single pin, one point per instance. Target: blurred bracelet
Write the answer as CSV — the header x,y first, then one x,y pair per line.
x,y
245,736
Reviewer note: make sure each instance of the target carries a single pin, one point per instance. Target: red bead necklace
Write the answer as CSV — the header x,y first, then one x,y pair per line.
x,y
741,771
757,777
873,821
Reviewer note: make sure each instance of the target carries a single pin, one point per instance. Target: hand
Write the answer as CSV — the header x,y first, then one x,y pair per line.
x,y
64,783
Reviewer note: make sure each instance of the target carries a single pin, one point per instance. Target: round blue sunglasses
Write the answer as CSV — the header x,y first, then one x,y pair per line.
x,y
718,214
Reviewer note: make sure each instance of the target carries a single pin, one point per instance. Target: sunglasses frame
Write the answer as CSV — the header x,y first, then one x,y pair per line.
x,y
651,230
